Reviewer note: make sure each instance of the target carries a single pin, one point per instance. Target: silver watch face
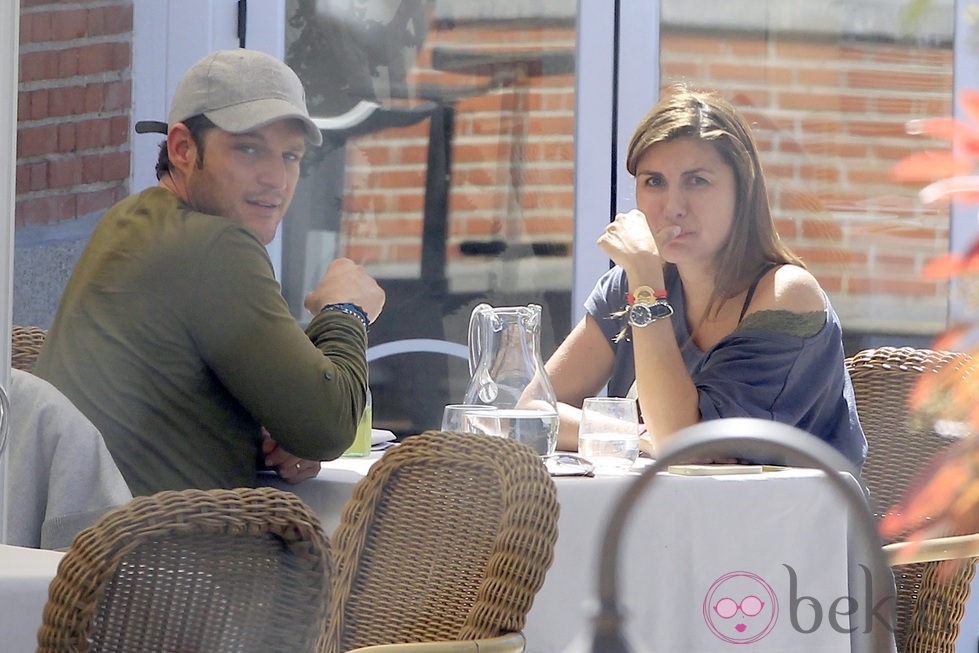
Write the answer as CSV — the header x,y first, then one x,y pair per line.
x,y
641,315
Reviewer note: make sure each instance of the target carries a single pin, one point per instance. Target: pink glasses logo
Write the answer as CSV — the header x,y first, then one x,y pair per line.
x,y
740,608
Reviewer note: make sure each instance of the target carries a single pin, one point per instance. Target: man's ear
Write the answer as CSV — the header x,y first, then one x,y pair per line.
x,y
181,148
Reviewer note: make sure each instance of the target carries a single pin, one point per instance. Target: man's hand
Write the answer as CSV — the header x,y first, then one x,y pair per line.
x,y
346,282
289,467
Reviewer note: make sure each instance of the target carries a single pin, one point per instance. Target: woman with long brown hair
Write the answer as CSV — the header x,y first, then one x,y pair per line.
x,y
706,314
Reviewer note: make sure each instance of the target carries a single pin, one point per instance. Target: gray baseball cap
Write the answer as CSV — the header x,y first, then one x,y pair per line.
x,y
239,91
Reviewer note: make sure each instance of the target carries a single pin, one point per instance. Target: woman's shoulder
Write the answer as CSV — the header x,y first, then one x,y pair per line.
x,y
789,288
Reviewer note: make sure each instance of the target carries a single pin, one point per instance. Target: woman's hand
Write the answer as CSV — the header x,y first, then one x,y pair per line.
x,y
630,243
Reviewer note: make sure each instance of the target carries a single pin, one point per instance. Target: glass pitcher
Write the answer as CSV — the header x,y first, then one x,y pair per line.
x,y
508,373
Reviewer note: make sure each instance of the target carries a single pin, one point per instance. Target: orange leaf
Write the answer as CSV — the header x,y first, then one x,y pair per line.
x,y
950,339
955,131
944,267
929,166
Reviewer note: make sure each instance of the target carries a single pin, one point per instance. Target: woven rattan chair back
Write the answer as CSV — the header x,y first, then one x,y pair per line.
x,y
25,345
929,609
447,538
210,571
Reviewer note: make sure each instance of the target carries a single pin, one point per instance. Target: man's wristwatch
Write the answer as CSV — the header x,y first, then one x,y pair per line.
x,y
643,311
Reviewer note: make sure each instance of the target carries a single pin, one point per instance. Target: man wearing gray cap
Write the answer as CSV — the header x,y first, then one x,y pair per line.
x,y
172,335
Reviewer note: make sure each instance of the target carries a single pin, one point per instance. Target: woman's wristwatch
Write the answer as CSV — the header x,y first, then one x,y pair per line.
x,y
647,305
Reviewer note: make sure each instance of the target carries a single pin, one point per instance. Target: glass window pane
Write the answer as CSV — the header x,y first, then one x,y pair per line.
x,y
448,173
829,90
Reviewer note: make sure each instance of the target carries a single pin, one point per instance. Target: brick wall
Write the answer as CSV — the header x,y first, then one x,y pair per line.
x,y
73,110
829,116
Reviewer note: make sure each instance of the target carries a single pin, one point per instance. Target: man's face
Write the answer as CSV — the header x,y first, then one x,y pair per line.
x,y
250,177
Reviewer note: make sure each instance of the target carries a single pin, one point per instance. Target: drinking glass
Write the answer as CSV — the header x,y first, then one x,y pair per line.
x,y
608,434
485,420
453,416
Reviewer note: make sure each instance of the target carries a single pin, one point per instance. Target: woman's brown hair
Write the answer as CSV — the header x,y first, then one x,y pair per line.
x,y
753,244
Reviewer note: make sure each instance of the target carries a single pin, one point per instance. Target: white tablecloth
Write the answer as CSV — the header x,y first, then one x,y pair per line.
x,y
693,540
782,536
24,578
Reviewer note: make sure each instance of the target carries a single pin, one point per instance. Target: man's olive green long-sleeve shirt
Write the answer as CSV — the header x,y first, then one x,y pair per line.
x,y
173,338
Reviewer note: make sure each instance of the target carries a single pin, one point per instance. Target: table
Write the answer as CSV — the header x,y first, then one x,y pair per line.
x,y
783,535
24,578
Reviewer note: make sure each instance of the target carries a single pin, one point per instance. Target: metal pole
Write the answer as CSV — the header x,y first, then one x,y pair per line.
x,y
9,33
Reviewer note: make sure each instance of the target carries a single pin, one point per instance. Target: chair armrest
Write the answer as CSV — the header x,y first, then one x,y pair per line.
x,y
507,643
933,550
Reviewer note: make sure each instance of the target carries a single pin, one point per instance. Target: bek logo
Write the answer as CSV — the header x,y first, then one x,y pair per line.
x,y
740,608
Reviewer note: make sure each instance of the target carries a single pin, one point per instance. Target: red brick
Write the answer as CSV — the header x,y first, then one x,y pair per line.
x,y
875,128
548,198
39,27
41,105
22,179
96,200
897,80
551,125
64,173
115,165
399,227
901,288
477,199
118,131
680,70
477,226
549,176
406,252
675,41
805,49
869,175
819,173
67,101
23,107
36,141
362,252
821,230
35,66
45,210
829,255
38,173
66,137
551,150
110,20
819,76
358,203
539,226
809,101
102,58
830,283
69,24
92,169
92,134
409,202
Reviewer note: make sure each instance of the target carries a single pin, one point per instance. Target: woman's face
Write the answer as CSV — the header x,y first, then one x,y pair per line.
x,y
685,182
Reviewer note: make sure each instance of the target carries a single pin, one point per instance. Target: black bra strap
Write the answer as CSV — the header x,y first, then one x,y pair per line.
x,y
751,289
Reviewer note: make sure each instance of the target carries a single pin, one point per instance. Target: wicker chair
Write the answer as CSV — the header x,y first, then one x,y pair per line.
x,y
26,342
447,538
929,609
194,570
